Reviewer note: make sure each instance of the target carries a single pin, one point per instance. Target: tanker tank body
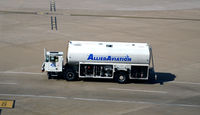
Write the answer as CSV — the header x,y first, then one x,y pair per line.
x,y
109,60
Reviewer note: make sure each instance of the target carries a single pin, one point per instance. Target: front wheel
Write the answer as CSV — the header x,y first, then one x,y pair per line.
x,y
70,75
121,77
49,74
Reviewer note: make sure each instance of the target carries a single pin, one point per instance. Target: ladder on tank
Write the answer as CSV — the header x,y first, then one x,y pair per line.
x,y
152,69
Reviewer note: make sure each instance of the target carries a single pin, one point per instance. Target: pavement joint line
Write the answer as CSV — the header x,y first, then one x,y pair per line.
x,y
30,12
34,96
136,17
136,102
133,90
18,12
13,72
8,83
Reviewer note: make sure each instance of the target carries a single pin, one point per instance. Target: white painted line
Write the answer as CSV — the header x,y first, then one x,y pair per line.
x,y
8,83
145,91
134,109
135,102
182,82
34,96
104,100
13,72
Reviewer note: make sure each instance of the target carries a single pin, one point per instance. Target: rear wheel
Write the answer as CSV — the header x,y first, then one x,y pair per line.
x,y
70,75
121,77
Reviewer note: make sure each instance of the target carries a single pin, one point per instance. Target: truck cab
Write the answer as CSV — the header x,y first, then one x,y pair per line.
x,y
53,64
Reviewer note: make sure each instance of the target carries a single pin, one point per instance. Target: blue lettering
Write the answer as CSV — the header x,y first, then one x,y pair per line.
x,y
109,58
90,57
117,59
113,59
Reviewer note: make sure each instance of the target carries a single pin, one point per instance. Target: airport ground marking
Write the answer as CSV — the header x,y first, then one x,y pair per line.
x,y
8,104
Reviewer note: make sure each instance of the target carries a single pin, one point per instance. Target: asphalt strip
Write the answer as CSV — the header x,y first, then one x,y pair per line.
x,y
35,73
135,102
102,100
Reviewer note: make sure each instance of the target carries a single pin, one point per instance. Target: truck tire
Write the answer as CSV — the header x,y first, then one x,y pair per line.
x,y
70,75
49,75
121,77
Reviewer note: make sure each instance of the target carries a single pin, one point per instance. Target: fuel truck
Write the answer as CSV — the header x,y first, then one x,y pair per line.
x,y
119,61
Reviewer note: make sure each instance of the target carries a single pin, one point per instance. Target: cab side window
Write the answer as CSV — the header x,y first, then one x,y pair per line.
x,y
47,58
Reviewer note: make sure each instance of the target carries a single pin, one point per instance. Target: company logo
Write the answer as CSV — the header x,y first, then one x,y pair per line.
x,y
53,65
109,58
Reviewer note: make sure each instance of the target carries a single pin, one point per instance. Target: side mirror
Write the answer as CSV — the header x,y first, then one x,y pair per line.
x,y
47,59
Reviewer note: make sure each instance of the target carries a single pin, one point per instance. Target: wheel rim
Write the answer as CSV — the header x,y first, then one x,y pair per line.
x,y
121,78
70,75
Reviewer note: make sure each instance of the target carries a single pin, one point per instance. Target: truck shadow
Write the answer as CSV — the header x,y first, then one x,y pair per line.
x,y
165,77
162,77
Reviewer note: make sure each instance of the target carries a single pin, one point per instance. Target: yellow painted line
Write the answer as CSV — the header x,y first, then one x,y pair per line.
x,y
7,104
40,13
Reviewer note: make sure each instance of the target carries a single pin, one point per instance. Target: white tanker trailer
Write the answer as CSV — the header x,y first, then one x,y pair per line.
x,y
109,60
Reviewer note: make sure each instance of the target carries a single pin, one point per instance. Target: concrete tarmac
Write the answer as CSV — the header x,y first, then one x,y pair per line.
x,y
172,29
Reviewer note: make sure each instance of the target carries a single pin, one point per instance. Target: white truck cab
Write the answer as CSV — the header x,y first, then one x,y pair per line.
x,y
53,64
